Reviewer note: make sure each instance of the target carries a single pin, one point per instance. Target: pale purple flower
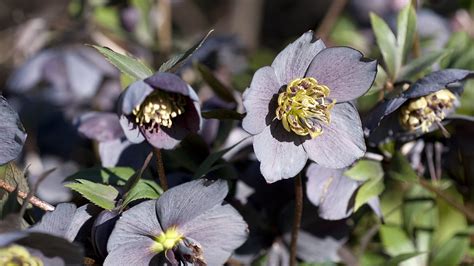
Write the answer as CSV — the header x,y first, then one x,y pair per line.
x,y
299,108
13,135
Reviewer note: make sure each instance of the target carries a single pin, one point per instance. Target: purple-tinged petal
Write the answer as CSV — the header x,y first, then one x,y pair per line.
x,y
134,95
382,110
345,71
219,231
132,251
12,136
181,204
101,127
436,81
110,151
168,82
94,57
311,248
342,141
293,61
331,191
256,100
83,77
374,204
280,153
102,229
165,138
131,131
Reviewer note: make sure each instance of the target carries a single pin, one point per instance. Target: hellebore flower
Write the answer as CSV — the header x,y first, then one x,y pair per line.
x,y
12,135
420,109
188,224
298,108
334,193
162,109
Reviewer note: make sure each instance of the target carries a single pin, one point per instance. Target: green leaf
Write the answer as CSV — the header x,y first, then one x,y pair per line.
x,y
364,170
401,169
222,114
395,241
387,44
126,64
395,261
451,252
144,189
175,62
116,176
101,195
371,188
379,82
406,27
420,64
221,90
206,166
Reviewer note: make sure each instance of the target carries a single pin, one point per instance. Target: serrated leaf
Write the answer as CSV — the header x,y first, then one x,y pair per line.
x,y
101,195
364,170
126,64
406,27
401,169
395,261
371,188
206,166
387,44
117,176
221,90
175,62
420,64
144,189
222,114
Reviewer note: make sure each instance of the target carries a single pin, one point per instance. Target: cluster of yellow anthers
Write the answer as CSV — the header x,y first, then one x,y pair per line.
x,y
17,255
303,106
166,240
422,112
158,109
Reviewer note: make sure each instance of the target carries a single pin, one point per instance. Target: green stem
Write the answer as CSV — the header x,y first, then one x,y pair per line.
x,y
296,218
161,170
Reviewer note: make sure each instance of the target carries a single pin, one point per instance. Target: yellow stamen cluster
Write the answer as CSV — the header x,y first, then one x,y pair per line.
x,y
303,106
15,255
167,240
158,109
422,112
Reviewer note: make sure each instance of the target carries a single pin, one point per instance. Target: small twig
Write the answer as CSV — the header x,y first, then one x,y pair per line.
x,y
23,195
33,190
296,219
330,19
459,206
161,170
444,131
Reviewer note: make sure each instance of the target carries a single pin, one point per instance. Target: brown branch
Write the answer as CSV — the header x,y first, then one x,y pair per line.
x,y
330,19
456,204
296,219
23,195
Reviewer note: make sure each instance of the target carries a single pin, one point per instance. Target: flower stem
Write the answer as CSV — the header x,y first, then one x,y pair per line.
x,y
161,170
416,41
296,218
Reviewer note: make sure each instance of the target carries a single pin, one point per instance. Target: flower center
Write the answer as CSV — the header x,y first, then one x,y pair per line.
x,y
422,112
158,109
303,106
15,255
167,240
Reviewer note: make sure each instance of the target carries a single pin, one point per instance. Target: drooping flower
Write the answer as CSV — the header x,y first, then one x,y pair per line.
x,y
421,108
189,223
162,109
299,107
334,193
12,135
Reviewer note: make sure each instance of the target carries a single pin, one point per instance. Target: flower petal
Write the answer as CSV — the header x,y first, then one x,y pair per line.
x,y
134,95
183,203
132,252
131,131
331,191
436,81
219,231
256,100
280,153
345,71
165,138
168,82
138,224
293,61
12,136
100,126
111,151
342,141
